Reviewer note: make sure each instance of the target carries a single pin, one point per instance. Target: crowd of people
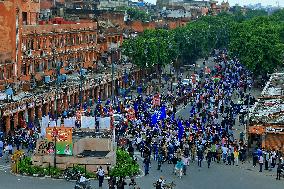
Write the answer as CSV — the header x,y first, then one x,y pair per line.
x,y
159,134
208,132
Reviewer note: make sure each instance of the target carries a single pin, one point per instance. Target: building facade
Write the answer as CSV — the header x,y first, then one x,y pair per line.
x,y
33,56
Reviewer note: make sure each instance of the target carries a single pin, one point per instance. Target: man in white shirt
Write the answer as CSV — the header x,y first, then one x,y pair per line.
x,y
82,179
260,161
101,174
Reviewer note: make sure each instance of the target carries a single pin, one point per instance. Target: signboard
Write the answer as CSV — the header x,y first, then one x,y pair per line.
x,y
63,135
275,130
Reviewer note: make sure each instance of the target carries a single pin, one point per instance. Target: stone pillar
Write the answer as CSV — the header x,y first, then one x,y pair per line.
x,y
97,92
7,123
65,102
16,119
71,101
47,108
93,95
39,112
106,91
32,118
52,108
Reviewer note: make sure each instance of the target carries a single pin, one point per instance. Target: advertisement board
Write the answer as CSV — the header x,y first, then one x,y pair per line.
x,y
63,135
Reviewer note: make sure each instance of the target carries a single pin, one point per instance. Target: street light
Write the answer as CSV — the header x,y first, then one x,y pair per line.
x,y
55,134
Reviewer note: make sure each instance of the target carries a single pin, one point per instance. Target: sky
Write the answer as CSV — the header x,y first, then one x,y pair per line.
x,y
245,2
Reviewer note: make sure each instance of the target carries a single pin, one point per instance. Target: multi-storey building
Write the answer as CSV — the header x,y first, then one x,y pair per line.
x,y
112,4
33,55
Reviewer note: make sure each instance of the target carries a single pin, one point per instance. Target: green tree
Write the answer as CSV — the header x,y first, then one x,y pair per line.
x,y
125,165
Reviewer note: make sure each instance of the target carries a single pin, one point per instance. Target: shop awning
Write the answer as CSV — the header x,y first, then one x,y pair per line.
x,y
257,130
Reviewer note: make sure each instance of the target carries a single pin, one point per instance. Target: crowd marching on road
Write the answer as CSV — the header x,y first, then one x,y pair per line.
x,y
158,134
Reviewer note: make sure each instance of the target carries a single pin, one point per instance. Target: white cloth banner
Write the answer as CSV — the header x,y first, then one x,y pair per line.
x,y
44,125
88,122
69,122
53,123
104,123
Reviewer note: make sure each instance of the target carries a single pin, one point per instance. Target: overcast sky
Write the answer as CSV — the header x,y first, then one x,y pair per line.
x,y
246,2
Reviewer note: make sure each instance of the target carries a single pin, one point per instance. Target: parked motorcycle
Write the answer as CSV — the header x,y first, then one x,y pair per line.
x,y
70,174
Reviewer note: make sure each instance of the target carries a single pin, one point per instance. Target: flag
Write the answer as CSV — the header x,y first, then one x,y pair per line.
x,y
135,106
154,119
163,113
180,130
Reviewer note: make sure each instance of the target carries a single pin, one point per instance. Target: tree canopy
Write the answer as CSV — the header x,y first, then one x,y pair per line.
x,y
125,165
255,38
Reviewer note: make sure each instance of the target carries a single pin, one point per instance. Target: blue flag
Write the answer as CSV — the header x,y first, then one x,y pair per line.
x,y
163,114
180,130
154,119
135,106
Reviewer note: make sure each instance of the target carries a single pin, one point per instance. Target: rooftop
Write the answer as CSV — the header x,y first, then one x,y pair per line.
x,y
270,106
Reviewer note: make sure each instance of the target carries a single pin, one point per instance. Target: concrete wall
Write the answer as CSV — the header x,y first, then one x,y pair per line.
x,y
94,144
64,162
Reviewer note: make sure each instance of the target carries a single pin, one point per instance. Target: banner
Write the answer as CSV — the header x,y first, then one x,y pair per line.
x,y
69,122
53,123
104,123
44,125
64,145
88,122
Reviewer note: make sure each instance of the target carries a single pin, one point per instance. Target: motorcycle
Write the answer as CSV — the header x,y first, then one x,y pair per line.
x,y
83,185
70,174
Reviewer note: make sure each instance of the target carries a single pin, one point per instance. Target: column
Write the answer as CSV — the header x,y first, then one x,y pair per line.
x,y
72,99
97,92
65,102
32,118
16,120
93,95
7,123
39,112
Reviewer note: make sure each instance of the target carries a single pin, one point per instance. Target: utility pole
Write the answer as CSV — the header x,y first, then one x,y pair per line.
x,y
56,105
112,77
81,86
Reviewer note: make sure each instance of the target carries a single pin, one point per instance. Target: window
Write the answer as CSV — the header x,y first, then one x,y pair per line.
x,y
1,74
23,69
9,71
25,18
38,43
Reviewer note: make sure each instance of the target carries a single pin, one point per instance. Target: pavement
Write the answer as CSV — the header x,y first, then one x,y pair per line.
x,y
218,176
